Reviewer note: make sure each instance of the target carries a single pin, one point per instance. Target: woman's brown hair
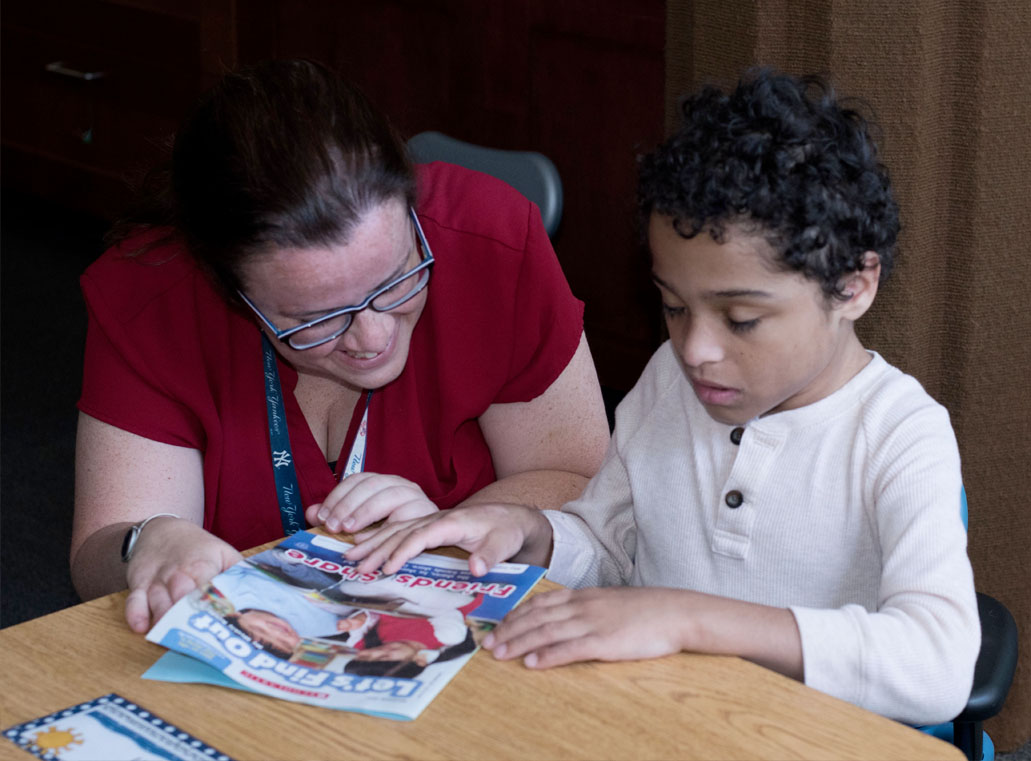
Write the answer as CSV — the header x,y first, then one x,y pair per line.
x,y
281,154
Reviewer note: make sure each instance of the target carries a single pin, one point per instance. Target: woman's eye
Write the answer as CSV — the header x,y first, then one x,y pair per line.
x,y
672,311
742,326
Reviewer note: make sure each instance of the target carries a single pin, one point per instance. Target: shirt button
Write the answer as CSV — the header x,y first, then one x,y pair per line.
x,y
736,434
734,499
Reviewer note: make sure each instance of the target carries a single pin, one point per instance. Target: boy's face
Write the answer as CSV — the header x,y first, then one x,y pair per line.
x,y
752,340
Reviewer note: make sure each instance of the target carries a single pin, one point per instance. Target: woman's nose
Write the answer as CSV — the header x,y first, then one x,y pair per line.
x,y
370,331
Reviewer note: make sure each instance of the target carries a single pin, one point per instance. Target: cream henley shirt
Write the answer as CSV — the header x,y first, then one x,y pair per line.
x,y
849,516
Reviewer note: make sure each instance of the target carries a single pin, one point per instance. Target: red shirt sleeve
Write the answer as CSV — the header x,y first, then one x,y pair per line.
x,y
123,394
139,328
547,319
168,360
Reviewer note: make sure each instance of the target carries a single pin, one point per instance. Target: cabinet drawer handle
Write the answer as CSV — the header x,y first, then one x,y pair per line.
x,y
58,67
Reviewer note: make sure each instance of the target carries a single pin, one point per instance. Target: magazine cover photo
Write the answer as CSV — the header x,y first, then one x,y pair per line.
x,y
298,622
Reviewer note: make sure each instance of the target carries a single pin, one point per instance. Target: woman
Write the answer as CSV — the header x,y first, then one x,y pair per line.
x,y
297,325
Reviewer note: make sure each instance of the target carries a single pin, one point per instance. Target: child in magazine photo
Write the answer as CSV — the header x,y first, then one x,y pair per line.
x,y
302,622
431,627
773,489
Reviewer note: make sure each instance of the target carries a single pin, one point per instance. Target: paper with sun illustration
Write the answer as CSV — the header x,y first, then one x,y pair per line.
x,y
110,728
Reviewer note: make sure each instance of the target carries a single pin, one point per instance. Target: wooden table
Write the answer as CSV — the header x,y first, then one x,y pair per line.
x,y
679,707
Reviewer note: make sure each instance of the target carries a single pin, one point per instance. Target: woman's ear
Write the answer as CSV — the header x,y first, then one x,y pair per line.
x,y
860,288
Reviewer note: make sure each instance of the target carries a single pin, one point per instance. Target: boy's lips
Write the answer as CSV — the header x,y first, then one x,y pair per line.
x,y
711,393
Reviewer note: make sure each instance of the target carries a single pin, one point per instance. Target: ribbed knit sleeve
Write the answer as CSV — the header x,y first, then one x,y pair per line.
x,y
912,657
595,536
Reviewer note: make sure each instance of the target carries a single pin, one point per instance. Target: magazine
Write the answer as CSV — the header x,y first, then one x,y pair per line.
x,y
299,622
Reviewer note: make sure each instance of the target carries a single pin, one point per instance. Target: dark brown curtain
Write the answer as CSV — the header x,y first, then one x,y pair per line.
x,y
950,84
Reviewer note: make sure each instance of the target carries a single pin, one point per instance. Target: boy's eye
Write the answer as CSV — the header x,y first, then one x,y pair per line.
x,y
743,326
672,311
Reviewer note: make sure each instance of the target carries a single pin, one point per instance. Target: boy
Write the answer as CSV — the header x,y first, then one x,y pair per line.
x,y
773,490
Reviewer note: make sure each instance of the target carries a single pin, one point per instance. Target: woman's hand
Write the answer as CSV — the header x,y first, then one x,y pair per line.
x,y
121,479
365,498
609,624
490,533
172,558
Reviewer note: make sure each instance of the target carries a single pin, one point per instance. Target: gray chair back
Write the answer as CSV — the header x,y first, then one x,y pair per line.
x,y
532,174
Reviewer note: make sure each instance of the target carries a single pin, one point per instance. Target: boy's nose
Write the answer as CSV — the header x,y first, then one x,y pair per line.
x,y
699,345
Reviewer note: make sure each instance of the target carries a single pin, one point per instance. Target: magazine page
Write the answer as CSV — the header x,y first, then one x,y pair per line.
x,y
298,622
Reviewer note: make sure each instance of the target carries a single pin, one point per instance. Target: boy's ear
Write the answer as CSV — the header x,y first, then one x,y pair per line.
x,y
860,288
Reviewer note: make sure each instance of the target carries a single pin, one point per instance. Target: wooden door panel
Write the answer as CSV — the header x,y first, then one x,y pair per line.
x,y
596,102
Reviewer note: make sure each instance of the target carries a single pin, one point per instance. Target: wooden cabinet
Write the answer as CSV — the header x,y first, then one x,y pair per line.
x,y
92,90
579,80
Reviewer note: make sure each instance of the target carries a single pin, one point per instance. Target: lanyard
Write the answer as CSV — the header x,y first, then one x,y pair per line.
x,y
356,460
288,493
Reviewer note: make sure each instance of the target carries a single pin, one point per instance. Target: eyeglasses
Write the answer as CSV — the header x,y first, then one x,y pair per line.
x,y
331,326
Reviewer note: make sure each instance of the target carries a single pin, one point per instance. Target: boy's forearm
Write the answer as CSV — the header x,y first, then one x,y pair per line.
x,y
759,633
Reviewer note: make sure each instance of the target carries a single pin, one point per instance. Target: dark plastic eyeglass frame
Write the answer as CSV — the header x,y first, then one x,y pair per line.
x,y
286,336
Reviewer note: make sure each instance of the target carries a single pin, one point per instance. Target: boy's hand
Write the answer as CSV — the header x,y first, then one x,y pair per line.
x,y
490,533
364,498
608,624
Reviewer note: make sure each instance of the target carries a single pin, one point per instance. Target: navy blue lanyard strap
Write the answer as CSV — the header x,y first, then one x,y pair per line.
x,y
291,512
287,490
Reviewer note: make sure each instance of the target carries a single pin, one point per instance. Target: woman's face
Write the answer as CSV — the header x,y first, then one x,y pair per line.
x,y
292,286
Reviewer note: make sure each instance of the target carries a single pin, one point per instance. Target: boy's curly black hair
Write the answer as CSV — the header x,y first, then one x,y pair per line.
x,y
782,157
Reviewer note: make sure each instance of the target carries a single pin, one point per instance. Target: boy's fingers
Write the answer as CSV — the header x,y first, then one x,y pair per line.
x,y
379,533
518,635
393,544
551,599
374,554
370,539
537,638
387,542
377,543
561,653
430,532
496,547
383,557
421,538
